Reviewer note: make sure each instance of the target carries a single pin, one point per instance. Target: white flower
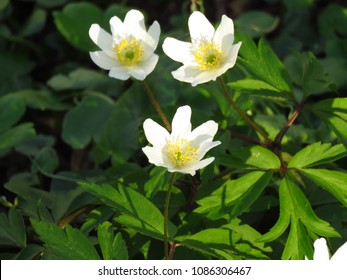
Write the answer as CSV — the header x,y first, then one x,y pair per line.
x,y
321,251
182,150
210,54
129,51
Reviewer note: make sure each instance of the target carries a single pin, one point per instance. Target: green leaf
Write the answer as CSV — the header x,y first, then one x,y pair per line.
x,y
295,208
121,145
302,210
46,160
68,244
332,181
96,217
74,22
286,209
41,100
251,195
298,244
332,21
231,241
264,64
86,121
334,106
232,192
12,229
308,73
213,241
35,23
15,67
256,23
31,251
316,154
252,85
12,109
16,136
112,248
138,212
252,157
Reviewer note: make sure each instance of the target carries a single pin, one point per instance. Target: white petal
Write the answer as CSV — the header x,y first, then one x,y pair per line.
x,y
101,38
117,27
186,73
232,56
178,50
200,164
154,155
208,75
155,133
149,65
181,125
200,27
205,147
137,72
119,72
101,59
224,33
321,252
150,39
134,23
208,128
341,253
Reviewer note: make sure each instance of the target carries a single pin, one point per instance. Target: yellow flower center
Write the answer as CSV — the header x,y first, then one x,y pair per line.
x,y
208,56
129,51
181,152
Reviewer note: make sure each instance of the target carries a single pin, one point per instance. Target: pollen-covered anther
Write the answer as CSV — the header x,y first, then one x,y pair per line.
x,y
208,56
129,51
181,152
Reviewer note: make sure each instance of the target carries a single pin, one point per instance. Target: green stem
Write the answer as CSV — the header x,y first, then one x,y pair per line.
x,y
242,114
156,105
166,216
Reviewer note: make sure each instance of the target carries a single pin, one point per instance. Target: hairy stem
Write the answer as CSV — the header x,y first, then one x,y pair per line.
x,y
166,216
156,105
241,113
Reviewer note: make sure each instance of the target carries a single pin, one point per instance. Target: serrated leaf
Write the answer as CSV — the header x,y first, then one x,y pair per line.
x,y
264,64
138,211
251,195
69,244
231,241
284,216
253,157
308,73
12,229
223,199
335,106
298,244
302,210
112,247
12,109
332,181
31,251
316,154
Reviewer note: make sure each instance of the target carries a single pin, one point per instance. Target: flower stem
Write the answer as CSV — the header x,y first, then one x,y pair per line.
x,y
166,216
156,105
242,114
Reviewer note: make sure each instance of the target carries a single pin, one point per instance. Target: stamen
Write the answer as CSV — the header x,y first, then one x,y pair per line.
x,y
129,51
208,56
180,152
